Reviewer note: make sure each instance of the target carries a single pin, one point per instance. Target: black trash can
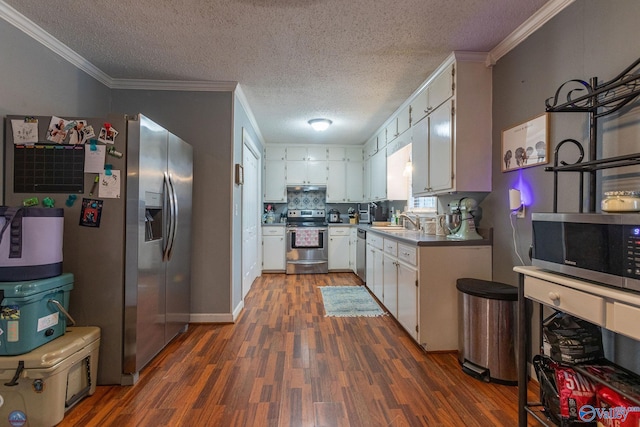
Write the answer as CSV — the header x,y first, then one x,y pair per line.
x,y
487,330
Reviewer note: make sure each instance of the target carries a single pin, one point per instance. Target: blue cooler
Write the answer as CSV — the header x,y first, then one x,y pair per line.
x,y
33,312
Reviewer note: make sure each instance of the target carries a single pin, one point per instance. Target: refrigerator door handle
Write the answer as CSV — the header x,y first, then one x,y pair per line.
x,y
168,203
174,216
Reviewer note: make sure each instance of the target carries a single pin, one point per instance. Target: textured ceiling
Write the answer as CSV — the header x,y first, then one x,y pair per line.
x,y
352,61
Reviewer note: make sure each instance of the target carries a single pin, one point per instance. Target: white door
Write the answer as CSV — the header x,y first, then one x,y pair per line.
x,y
250,214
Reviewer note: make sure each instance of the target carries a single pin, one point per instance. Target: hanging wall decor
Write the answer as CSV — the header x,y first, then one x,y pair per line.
x,y
526,144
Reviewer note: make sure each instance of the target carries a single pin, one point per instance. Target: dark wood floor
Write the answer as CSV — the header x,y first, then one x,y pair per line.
x,y
284,364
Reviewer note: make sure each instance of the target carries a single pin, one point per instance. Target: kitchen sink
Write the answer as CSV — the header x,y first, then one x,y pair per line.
x,y
387,227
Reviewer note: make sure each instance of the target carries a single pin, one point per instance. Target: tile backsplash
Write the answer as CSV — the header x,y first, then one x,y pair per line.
x,y
314,199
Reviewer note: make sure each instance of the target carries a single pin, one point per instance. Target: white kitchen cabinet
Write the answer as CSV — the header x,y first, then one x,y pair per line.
x,y
339,248
390,276
353,154
419,285
353,242
366,180
374,265
378,178
274,181
273,248
336,181
404,120
274,187
452,150
295,152
371,147
354,182
306,165
437,92
306,172
344,175
400,283
439,268
391,130
408,298
432,152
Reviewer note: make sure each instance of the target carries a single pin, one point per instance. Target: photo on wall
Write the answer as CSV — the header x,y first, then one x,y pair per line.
x,y
526,144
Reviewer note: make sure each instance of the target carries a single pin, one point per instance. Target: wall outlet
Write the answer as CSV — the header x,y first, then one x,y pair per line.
x,y
521,212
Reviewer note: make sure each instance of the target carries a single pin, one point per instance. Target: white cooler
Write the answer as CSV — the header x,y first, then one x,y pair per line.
x,y
38,387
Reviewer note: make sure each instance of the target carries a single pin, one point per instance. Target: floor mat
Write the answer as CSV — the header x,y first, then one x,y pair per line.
x,y
349,301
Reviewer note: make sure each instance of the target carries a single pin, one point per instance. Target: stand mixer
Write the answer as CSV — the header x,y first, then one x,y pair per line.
x,y
460,222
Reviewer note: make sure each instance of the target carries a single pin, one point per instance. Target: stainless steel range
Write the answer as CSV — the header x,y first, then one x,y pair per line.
x,y
307,241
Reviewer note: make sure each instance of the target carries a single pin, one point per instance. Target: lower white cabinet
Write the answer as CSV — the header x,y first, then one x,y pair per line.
x,y
273,249
390,276
374,265
417,285
353,255
339,247
439,268
408,289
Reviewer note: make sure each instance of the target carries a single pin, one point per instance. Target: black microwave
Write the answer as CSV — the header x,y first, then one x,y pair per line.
x,y
603,248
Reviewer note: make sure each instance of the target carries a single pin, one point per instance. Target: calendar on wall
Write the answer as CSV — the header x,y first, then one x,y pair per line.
x,y
48,168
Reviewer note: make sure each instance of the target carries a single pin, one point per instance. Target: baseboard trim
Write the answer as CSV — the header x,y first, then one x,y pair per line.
x,y
217,317
211,318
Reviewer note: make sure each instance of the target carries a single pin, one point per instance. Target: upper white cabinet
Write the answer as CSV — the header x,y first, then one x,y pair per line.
x,y
451,149
344,176
378,178
437,92
306,165
306,153
432,152
398,125
404,120
274,174
371,147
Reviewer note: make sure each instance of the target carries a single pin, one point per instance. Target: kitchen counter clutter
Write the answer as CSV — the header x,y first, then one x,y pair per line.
x,y
418,238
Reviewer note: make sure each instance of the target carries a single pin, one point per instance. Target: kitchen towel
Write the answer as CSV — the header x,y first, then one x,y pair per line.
x,y
307,238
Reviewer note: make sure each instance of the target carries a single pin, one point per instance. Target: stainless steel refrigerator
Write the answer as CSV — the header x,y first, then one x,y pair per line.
x,y
132,272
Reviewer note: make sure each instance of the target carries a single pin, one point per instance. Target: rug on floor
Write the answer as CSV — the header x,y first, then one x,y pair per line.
x,y
349,301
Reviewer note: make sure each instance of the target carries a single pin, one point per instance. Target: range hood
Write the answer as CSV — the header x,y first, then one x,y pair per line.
x,y
306,188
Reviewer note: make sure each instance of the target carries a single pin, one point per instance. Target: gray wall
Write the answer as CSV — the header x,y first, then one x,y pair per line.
x,y
36,81
204,119
590,38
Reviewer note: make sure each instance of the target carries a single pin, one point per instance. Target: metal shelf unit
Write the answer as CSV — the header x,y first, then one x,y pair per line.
x,y
600,100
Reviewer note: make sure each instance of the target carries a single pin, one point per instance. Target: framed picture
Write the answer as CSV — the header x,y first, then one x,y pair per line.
x,y
526,144
239,174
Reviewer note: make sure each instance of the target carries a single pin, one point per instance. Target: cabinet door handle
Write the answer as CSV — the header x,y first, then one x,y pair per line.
x,y
554,296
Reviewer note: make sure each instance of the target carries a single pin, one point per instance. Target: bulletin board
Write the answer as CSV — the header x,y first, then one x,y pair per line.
x,y
48,169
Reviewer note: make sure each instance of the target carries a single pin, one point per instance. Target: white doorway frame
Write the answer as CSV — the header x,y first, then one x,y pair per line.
x,y
250,145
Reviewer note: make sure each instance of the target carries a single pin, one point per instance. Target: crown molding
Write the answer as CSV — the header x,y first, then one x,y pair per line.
x,y
531,25
36,32
178,85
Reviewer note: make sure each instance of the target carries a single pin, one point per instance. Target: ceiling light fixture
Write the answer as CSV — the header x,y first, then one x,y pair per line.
x,y
320,124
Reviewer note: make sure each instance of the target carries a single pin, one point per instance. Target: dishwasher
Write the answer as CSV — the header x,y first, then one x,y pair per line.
x,y
361,255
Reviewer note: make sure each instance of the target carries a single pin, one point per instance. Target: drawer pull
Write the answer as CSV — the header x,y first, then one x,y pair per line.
x,y
554,296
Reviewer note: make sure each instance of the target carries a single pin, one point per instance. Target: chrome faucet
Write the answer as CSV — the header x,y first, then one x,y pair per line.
x,y
415,222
